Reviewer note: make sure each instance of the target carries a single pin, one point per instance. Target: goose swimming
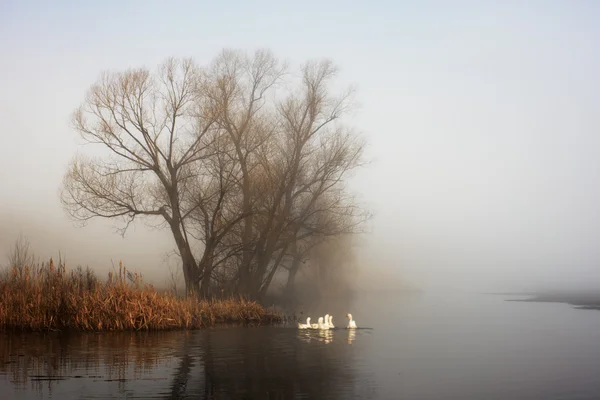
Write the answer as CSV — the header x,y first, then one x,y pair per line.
x,y
321,325
306,325
351,322
316,326
326,321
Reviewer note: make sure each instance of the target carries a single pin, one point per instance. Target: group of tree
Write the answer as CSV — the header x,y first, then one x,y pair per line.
x,y
243,161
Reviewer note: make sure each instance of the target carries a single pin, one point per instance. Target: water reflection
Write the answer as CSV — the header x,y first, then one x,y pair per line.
x,y
351,335
434,347
326,336
310,335
264,362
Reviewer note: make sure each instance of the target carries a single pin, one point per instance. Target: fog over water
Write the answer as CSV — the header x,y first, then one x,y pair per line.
x,y
482,123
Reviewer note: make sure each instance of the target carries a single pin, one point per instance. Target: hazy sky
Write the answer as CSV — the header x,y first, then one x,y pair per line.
x,y
482,119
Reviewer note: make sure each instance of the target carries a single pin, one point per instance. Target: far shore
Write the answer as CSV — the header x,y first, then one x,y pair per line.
x,y
583,300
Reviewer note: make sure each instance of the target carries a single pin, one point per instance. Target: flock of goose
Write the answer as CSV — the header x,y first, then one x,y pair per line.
x,y
326,323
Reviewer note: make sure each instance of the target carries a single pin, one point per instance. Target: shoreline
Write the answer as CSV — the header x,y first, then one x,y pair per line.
x,y
579,300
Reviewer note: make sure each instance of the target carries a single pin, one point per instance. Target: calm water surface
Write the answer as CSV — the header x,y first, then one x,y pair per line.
x,y
429,346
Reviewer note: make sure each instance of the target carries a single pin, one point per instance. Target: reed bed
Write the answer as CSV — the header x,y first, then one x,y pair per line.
x,y
49,298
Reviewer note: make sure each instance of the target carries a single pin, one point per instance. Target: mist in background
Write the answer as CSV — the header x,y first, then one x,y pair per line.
x,y
482,122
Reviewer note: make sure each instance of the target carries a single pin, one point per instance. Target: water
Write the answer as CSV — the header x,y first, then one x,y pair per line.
x,y
420,347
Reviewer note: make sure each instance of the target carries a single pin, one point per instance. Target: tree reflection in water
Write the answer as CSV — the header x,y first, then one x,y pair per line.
x,y
264,362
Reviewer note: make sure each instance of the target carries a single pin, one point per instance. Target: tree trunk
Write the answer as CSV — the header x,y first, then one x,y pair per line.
x,y
188,263
190,275
291,280
267,282
206,266
245,284
289,286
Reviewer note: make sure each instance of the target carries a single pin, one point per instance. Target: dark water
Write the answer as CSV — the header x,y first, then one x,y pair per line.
x,y
419,347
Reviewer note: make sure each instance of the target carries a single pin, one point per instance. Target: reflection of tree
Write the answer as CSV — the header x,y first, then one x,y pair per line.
x,y
182,372
261,362
277,363
50,358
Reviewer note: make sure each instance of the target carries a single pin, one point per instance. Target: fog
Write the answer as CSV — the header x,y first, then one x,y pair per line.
x,y
481,120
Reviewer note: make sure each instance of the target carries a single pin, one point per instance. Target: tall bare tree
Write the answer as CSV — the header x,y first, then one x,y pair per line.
x,y
239,96
153,128
293,153
311,200
242,165
217,209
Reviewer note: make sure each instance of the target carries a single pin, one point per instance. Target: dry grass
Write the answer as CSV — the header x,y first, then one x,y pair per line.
x,y
49,298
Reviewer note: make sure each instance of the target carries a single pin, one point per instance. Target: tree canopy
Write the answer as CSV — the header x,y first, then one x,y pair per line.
x,y
242,160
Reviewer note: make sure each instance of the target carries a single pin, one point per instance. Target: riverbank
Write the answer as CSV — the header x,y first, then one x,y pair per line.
x,y
587,300
45,298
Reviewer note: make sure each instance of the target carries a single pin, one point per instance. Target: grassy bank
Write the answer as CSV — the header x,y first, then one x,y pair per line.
x,y
48,298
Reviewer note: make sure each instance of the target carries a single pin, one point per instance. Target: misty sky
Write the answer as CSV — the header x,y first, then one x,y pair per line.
x,y
482,122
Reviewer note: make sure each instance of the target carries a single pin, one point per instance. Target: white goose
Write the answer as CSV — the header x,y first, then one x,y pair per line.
x,y
331,322
351,322
321,325
316,326
306,325
326,322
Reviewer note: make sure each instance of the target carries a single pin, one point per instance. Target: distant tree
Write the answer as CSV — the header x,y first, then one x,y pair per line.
x,y
20,256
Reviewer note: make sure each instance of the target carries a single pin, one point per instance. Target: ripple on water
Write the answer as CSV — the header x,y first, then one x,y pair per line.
x,y
252,362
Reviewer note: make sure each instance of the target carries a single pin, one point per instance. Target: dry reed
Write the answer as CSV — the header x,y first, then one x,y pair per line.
x,y
48,298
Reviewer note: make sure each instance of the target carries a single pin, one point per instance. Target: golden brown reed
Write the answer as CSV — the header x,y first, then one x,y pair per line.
x,y
46,298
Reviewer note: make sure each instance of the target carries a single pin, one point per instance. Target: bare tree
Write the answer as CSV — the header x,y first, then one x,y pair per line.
x,y
311,201
331,264
293,158
242,173
20,256
239,97
153,128
217,209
